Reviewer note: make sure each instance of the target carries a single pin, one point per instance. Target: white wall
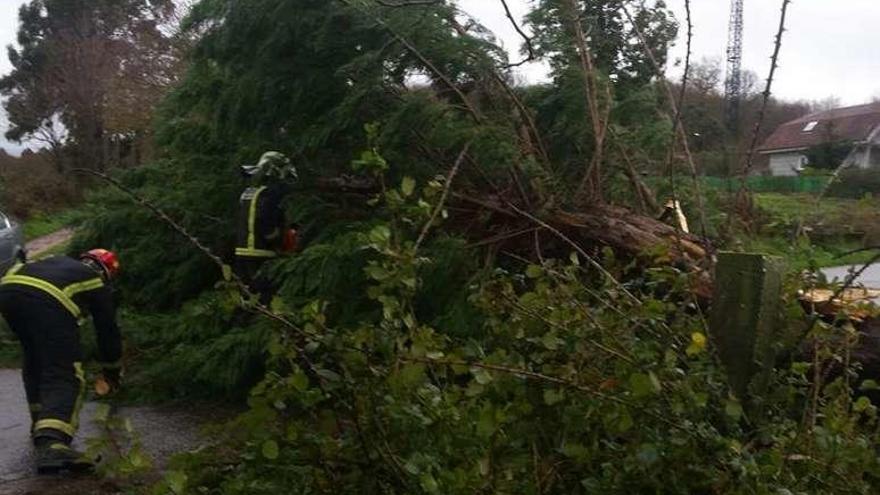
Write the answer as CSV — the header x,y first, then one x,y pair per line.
x,y
786,164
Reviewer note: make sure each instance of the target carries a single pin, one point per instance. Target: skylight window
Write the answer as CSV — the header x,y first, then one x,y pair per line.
x,y
812,125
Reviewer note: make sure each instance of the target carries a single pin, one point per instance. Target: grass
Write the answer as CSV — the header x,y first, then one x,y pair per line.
x,y
836,227
43,224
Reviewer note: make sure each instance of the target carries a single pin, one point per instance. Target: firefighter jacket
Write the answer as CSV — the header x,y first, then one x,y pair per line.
x,y
261,221
73,290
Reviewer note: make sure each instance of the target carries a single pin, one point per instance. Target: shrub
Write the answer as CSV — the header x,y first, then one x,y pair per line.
x,y
856,183
31,184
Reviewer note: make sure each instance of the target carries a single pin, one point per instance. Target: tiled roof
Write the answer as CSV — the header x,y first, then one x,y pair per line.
x,y
841,124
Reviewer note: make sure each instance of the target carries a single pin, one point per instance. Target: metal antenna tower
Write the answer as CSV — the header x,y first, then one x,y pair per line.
x,y
733,82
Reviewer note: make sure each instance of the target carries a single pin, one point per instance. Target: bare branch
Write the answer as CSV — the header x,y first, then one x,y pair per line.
x,y
233,278
592,176
442,202
525,37
678,124
580,251
670,169
774,64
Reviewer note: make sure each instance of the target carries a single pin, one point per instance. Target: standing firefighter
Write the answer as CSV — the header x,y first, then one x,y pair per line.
x,y
44,303
263,231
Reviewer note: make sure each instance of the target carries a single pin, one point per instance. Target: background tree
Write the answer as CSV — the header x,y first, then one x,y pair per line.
x,y
96,67
594,73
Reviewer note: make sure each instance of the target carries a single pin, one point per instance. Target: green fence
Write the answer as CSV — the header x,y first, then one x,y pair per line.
x,y
810,184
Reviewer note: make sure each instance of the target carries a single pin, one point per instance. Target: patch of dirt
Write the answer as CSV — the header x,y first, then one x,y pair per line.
x,y
40,245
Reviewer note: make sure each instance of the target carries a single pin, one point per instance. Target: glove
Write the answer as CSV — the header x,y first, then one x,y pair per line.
x,y
108,382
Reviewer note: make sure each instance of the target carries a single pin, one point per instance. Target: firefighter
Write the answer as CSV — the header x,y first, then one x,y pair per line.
x,y
44,303
263,232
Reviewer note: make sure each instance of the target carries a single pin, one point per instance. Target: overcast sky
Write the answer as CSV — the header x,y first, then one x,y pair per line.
x,y
830,48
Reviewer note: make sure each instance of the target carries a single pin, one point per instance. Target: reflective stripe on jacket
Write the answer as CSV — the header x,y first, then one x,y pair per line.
x,y
77,289
64,295
254,234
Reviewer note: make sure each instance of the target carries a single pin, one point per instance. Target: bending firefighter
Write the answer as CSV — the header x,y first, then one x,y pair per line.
x,y
263,232
44,303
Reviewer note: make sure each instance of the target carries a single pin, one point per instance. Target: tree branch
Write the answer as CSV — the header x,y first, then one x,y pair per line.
x,y
477,117
233,278
677,124
774,64
442,202
526,38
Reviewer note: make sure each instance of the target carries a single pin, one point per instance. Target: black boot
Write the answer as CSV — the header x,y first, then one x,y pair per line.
x,y
54,455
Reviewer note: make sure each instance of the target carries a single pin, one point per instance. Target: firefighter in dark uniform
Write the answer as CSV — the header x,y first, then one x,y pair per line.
x,y
263,232
44,303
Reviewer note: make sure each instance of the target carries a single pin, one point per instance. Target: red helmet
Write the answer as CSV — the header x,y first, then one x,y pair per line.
x,y
107,260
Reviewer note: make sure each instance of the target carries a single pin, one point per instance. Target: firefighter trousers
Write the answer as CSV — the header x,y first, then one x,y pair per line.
x,y
52,366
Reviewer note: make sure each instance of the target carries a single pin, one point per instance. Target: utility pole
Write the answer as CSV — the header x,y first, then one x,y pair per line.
x,y
733,82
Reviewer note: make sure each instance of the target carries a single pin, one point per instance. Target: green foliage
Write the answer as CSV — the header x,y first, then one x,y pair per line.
x,y
45,223
856,184
829,155
207,350
390,361
119,448
32,185
566,385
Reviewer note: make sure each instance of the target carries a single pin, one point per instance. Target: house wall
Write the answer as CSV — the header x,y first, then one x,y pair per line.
x,y
786,164
858,158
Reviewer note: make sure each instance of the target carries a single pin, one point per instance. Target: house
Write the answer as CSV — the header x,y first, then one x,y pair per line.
x,y
855,129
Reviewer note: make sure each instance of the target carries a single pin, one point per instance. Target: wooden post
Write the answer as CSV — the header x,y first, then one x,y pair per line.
x,y
743,321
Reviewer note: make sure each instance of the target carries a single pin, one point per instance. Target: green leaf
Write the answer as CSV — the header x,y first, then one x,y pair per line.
x,y
300,381
176,481
553,396
482,376
138,460
408,186
487,423
862,404
270,450
643,385
534,271
429,484
576,451
412,374
733,409
330,376
227,272
869,385
377,272
624,422
380,234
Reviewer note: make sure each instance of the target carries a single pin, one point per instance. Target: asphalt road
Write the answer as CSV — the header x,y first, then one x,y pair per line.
x,y
870,279
163,431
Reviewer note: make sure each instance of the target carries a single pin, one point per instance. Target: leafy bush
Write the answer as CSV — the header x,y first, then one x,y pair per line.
x,y
567,384
31,184
856,184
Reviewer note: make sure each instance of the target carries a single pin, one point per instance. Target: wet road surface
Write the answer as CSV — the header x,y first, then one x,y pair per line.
x,y
163,432
870,279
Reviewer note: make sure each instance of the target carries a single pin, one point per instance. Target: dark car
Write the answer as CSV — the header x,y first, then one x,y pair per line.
x,y
12,246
